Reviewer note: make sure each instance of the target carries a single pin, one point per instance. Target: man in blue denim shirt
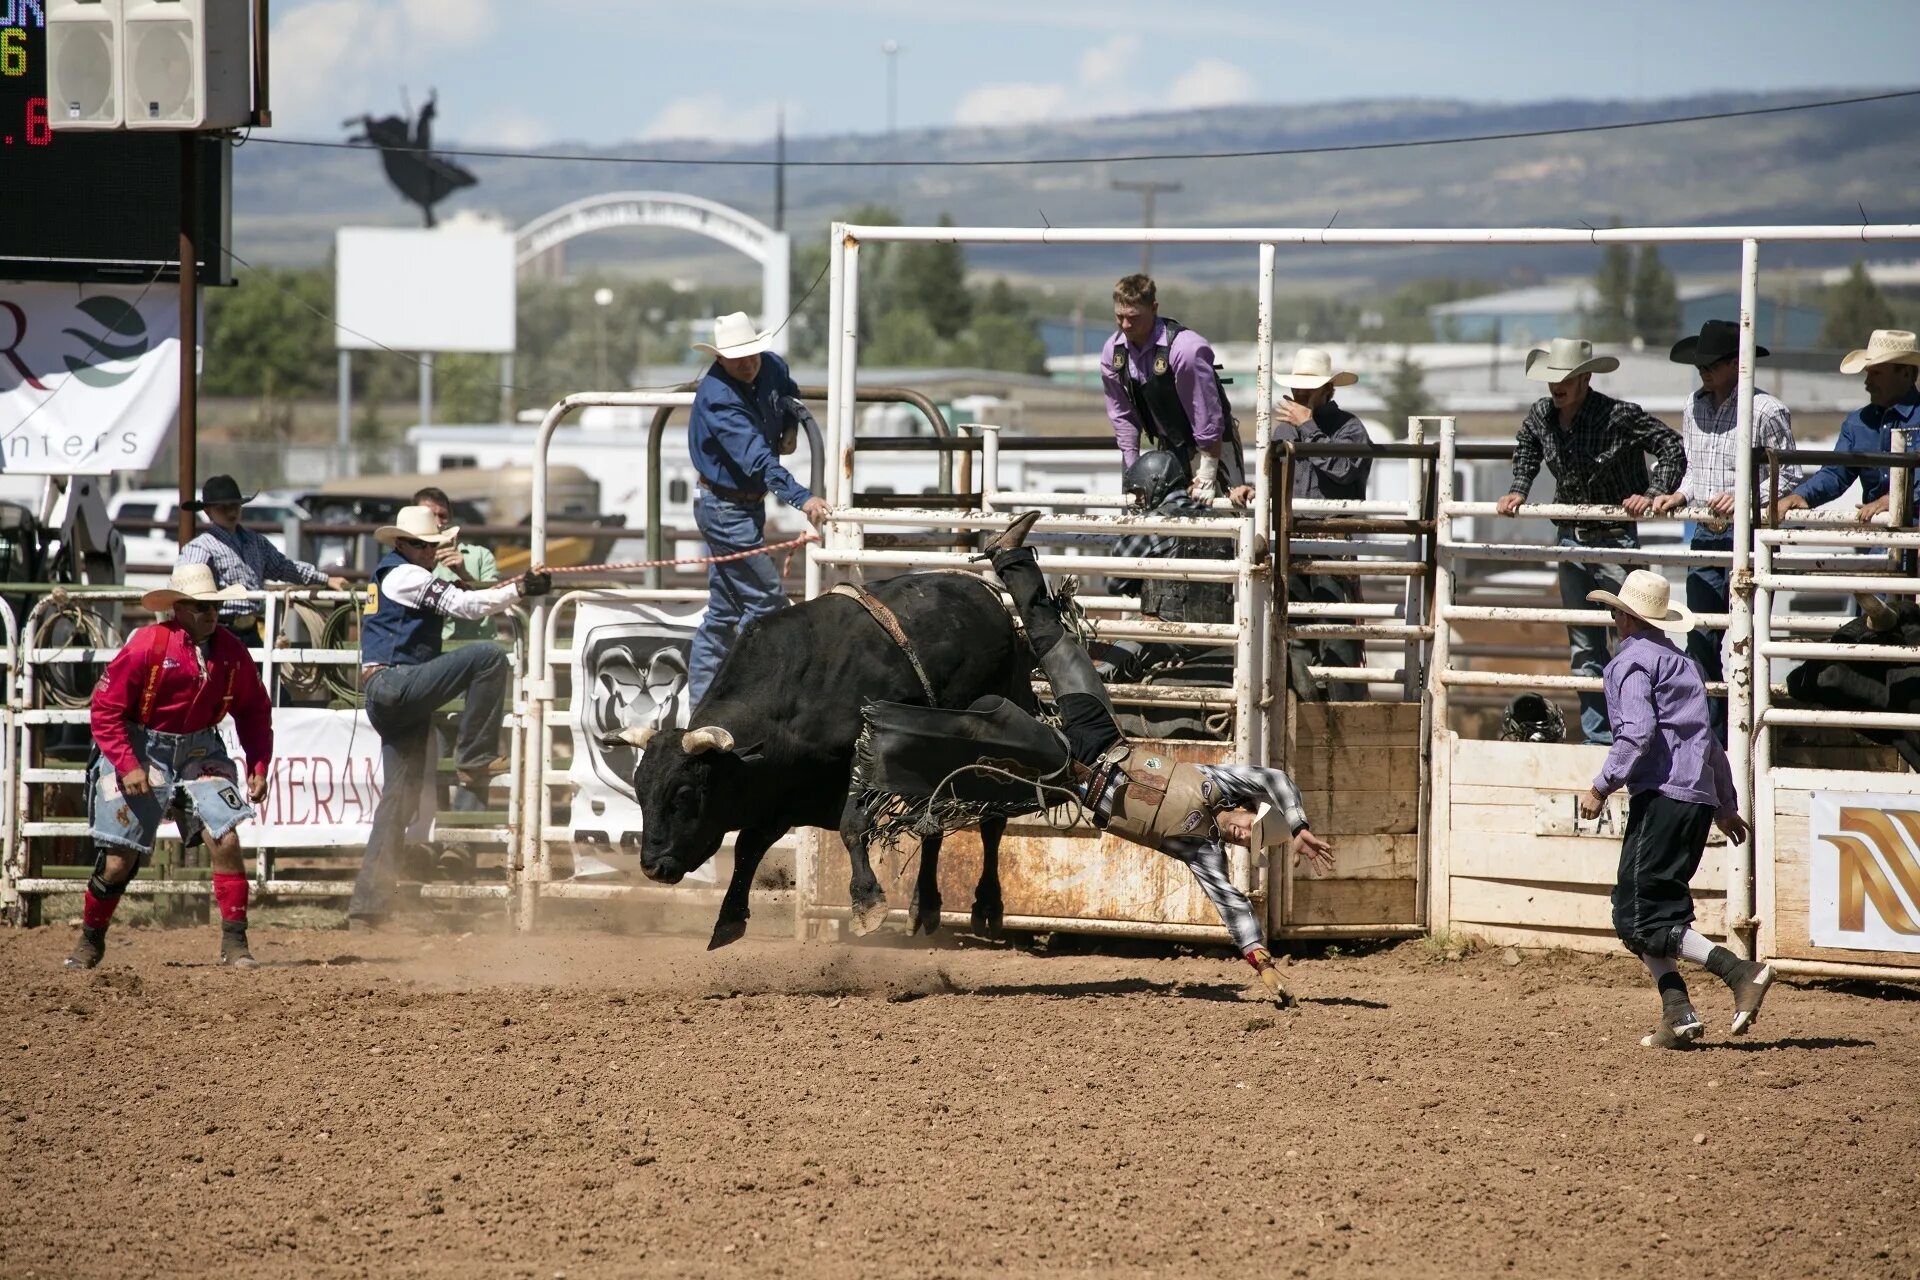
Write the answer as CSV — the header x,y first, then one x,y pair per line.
x,y
1890,360
739,414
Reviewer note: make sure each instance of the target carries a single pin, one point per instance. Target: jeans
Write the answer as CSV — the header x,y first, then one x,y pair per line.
x,y
1707,593
1589,645
1327,589
401,702
737,592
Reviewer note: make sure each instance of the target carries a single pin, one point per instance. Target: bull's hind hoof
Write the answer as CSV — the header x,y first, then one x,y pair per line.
x,y
869,916
986,918
925,916
726,931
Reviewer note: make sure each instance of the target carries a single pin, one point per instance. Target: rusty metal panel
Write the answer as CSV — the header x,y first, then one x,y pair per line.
x,y
1360,775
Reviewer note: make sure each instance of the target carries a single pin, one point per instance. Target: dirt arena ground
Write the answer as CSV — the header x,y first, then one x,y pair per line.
x,y
591,1104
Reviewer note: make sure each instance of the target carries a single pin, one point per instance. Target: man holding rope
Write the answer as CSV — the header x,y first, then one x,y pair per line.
x,y
735,436
406,679
156,724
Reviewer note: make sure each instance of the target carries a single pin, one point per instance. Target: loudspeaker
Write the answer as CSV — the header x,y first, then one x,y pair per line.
x,y
188,64
83,64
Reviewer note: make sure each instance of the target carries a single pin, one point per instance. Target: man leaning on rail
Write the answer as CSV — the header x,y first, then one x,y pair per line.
x,y
1161,386
1707,431
156,730
239,557
738,429
1596,447
1890,361
406,679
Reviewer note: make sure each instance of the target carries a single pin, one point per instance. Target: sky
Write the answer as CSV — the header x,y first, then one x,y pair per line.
x,y
519,73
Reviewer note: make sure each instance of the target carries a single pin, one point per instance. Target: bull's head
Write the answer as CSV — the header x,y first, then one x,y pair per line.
x,y
683,787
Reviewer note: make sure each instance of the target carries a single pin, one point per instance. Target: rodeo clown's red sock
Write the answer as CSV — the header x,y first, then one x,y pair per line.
x,y
230,891
102,898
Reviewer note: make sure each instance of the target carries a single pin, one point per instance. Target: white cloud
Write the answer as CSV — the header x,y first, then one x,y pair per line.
x,y
509,129
1211,82
332,58
1098,88
715,116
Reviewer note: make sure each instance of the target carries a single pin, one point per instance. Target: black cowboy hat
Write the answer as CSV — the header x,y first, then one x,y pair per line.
x,y
216,491
1717,340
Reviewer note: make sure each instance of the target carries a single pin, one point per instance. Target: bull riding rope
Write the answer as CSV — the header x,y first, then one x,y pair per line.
x,y
628,566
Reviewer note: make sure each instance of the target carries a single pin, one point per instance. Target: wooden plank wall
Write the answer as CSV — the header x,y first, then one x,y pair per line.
x,y
1358,768
1513,886
1784,887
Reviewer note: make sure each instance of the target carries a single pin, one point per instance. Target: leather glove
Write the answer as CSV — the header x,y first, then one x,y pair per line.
x,y
536,584
1206,476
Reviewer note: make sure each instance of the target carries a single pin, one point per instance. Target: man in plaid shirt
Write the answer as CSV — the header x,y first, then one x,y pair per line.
x,y
1596,447
1706,428
239,557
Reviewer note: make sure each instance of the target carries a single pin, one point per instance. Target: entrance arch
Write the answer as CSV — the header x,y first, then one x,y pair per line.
x,y
771,249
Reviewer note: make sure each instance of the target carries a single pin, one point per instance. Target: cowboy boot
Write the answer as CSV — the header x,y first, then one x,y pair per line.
x,y
88,951
1262,961
1014,535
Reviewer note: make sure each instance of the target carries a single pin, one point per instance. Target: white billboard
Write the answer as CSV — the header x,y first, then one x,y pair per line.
x,y
89,377
408,289
1863,869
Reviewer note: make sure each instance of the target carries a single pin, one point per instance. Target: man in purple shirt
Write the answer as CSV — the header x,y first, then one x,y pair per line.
x,y
1679,784
1161,383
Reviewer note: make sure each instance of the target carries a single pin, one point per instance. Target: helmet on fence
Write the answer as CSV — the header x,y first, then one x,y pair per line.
x,y
1531,718
1155,475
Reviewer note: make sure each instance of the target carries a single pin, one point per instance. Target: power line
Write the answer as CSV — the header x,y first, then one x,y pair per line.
x,y
1028,162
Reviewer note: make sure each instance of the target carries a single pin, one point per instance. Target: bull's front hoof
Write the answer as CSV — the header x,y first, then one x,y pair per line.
x,y
726,931
869,916
925,916
986,917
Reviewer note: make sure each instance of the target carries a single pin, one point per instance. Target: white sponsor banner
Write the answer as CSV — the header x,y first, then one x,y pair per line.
x,y
630,668
1863,867
323,784
89,377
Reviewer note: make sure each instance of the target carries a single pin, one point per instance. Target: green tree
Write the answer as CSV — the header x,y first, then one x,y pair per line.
x,y
1002,342
1611,318
1406,394
269,336
931,278
1656,303
1855,308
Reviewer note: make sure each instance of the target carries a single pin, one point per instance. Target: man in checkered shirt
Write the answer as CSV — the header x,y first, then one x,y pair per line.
x,y
1706,429
1596,447
239,557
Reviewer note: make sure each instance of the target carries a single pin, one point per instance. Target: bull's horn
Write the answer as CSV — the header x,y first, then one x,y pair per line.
x,y
638,735
1879,615
709,738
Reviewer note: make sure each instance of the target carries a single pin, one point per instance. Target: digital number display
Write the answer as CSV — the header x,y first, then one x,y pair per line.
x,y
91,206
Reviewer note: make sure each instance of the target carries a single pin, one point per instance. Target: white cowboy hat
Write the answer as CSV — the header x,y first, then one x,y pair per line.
x,y
734,336
419,523
1886,346
1565,358
1645,595
189,582
1313,369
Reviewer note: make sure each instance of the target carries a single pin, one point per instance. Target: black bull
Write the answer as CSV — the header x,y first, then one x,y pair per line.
x,y
1851,685
770,747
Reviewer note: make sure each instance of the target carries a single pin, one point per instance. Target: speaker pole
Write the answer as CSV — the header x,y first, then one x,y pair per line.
x,y
189,436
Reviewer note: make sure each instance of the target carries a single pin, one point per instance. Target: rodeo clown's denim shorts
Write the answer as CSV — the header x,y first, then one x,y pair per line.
x,y
191,774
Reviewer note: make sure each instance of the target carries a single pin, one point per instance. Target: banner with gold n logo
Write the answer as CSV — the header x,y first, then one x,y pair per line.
x,y
1863,861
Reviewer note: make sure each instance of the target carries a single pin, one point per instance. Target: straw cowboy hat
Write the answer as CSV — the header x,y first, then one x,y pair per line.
x,y
1717,340
418,523
1886,346
1565,358
734,336
218,491
190,582
1645,595
1313,369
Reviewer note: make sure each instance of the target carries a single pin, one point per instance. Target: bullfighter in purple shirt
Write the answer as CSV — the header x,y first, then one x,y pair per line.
x,y
1161,384
1679,784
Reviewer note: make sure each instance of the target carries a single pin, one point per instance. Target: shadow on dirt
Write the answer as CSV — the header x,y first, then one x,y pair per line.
x,y
1791,1042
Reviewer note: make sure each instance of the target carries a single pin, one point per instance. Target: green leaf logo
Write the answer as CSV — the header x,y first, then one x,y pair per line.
x,y
120,340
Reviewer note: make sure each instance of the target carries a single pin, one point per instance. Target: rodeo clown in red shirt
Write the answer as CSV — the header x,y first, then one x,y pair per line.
x,y
156,717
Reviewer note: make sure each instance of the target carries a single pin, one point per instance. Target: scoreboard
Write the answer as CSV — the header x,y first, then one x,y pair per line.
x,y
101,207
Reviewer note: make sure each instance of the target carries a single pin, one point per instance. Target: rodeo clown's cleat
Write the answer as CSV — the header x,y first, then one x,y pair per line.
x,y
233,948
88,951
1749,985
1679,1031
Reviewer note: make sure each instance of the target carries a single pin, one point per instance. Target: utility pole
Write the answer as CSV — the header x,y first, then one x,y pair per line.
x,y
1148,192
893,50
780,169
